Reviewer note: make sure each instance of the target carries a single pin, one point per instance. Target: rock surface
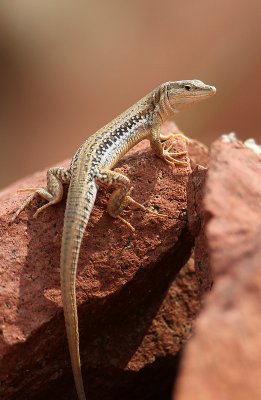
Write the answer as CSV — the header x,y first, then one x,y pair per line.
x,y
197,223
136,305
223,359
139,293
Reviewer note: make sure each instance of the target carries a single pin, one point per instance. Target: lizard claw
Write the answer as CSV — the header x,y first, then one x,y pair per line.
x,y
175,162
146,209
126,223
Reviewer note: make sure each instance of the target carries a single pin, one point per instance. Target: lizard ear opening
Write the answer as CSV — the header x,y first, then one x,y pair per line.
x,y
187,87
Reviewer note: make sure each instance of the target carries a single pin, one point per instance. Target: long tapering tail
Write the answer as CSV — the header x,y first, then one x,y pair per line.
x,y
79,205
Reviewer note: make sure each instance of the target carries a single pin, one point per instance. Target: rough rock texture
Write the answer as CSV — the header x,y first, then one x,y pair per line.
x,y
136,307
223,359
197,223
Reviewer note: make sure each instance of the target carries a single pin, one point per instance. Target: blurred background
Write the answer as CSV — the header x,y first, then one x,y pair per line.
x,y
67,68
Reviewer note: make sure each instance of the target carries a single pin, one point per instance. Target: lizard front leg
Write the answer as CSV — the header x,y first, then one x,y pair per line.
x,y
56,177
120,198
164,149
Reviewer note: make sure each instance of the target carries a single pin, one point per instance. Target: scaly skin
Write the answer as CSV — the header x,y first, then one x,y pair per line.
x,y
93,163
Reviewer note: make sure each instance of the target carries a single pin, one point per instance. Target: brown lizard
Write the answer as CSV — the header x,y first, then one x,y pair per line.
x,y
92,164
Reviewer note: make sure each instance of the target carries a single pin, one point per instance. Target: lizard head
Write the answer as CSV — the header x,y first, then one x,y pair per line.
x,y
180,94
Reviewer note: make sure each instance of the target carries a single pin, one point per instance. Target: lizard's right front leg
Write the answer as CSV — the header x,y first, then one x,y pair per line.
x,y
164,149
56,177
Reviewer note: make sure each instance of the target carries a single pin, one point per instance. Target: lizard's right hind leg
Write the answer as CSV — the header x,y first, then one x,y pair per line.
x,y
56,177
121,196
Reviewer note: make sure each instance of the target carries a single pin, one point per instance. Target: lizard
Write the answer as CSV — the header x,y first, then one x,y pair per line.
x,y
92,165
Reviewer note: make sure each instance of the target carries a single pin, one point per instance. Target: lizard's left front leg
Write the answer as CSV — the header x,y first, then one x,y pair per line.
x,y
164,149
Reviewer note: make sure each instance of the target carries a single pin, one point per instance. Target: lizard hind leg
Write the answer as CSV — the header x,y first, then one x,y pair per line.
x,y
120,198
53,193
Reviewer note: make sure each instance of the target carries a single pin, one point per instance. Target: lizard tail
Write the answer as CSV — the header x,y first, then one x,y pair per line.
x,y
78,209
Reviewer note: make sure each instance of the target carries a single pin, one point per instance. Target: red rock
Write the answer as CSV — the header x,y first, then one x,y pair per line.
x,y
135,308
197,222
199,159
223,360
198,154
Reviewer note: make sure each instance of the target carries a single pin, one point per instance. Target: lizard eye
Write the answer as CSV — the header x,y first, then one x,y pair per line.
x,y
187,87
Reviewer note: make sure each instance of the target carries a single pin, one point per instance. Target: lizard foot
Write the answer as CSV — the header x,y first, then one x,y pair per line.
x,y
40,209
129,200
169,155
36,191
27,201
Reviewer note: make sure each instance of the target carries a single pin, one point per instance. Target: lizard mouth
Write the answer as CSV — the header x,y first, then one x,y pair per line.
x,y
210,91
